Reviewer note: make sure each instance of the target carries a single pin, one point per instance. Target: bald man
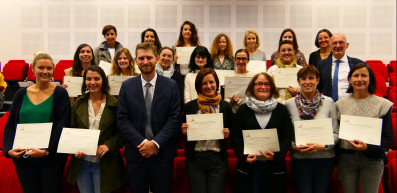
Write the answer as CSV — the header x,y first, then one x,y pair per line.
x,y
334,69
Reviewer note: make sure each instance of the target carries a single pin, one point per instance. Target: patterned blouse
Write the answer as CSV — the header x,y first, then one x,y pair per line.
x,y
227,64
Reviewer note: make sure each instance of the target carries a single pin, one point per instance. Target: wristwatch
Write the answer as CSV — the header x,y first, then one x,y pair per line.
x,y
326,148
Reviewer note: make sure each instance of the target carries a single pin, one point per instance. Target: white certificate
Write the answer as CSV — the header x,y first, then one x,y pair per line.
x,y
257,66
224,73
33,135
366,129
106,66
284,77
204,126
236,85
314,131
184,54
74,85
260,139
115,83
74,139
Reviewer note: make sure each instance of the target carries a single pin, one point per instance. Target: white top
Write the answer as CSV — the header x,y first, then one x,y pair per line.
x,y
190,92
93,124
343,81
112,51
151,90
263,118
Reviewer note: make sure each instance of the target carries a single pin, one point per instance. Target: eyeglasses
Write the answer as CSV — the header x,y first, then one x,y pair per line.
x,y
260,84
242,59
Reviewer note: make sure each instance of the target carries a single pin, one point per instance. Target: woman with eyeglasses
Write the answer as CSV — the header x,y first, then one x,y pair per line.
x,y
264,172
286,60
241,60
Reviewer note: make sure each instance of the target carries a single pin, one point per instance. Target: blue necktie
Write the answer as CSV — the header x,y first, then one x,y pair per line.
x,y
148,103
335,82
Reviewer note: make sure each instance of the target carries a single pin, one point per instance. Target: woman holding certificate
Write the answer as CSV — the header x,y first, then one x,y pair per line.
x,y
199,60
263,171
357,160
206,160
123,64
312,163
286,60
97,110
188,37
39,169
241,59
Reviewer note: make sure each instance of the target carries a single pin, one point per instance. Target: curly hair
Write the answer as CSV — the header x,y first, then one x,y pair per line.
x,y
214,48
115,67
194,39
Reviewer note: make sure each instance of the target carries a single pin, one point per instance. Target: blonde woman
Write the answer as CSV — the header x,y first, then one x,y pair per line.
x,y
251,43
123,64
222,52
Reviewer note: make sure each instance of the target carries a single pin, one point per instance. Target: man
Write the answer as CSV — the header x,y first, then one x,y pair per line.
x,y
149,119
334,69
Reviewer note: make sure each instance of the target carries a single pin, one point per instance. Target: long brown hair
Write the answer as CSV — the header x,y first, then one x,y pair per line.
x,y
214,48
115,67
194,39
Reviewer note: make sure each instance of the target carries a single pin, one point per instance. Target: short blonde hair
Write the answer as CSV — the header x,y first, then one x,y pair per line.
x,y
258,41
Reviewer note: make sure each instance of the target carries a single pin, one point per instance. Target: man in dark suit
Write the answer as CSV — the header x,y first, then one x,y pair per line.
x,y
149,119
334,69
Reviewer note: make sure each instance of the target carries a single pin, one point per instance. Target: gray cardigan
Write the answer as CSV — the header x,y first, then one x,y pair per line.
x,y
325,111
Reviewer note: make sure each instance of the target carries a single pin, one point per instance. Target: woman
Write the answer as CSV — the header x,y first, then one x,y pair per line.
x,y
188,37
206,160
150,36
43,102
251,43
123,64
313,163
358,161
199,59
97,110
322,41
222,52
165,67
265,173
241,59
289,34
83,57
286,60
106,50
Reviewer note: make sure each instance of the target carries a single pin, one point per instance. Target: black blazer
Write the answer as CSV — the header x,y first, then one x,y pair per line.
x,y
325,69
224,107
275,170
315,58
177,76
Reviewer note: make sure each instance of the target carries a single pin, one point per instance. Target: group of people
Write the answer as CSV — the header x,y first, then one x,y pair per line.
x,y
150,112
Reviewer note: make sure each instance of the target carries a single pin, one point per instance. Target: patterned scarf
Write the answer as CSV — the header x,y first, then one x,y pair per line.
x,y
208,105
167,73
261,106
308,109
280,64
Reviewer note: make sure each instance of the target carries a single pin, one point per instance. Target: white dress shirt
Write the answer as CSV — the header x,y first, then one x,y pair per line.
x,y
343,81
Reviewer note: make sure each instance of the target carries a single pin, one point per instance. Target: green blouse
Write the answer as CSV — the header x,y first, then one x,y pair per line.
x,y
40,113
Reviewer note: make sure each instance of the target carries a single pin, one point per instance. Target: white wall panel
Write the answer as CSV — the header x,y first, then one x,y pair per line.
x,y
59,26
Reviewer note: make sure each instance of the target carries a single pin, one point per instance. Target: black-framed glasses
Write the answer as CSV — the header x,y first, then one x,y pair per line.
x,y
242,59
260,84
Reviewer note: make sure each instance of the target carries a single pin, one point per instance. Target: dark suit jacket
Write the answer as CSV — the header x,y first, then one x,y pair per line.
x,y
165,119
275,170
325,69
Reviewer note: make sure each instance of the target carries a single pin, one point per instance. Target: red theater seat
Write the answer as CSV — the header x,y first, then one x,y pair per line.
x,y
9,181
379,67
59,71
